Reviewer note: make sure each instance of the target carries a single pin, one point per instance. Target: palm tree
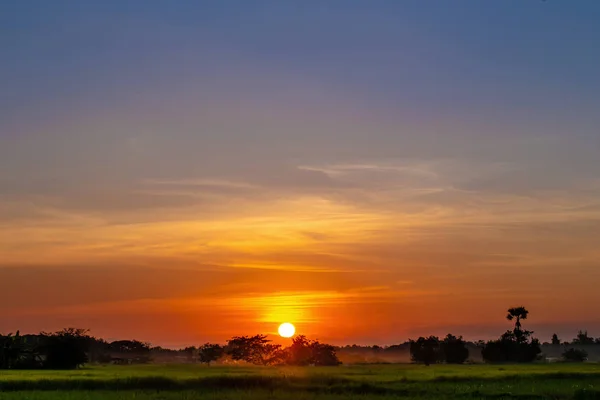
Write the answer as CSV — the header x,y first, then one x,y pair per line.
x,y
517,313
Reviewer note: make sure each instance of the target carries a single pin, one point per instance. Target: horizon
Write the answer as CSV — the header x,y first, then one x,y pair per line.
x,y
276,338
366,171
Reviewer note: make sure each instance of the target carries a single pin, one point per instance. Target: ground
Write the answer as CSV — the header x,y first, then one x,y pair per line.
x,y
171,382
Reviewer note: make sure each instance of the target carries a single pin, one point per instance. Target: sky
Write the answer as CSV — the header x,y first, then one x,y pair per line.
x,y
185,171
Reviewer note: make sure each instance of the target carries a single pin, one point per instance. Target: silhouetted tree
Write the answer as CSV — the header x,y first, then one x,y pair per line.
x,y
209,352
454,349
509,348
299,353
517,313
66,349
130,346
583,338
130,351
191,353
18,352
255,350
425,350
517,345
311,352
575,355
555,340
324,354
98,350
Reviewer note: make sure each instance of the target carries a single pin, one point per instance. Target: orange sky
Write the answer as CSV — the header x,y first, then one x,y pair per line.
x,y
341,273
369,171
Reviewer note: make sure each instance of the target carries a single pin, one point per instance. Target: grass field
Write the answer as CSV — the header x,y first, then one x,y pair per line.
x,y
166,382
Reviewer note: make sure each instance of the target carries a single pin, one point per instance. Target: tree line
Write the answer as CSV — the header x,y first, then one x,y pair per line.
x,y
516,345
71,348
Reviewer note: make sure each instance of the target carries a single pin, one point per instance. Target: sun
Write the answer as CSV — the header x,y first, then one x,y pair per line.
x,y
286,330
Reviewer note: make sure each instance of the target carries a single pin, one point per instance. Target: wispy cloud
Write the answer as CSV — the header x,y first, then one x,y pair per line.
x,y
201,182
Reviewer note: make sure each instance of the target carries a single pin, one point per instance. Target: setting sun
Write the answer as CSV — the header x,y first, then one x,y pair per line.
x,y
286,330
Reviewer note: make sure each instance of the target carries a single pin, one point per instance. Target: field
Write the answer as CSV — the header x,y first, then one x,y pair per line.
x,y
166,382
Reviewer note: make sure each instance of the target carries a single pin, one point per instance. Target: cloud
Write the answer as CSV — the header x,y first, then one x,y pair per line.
x,y
202,182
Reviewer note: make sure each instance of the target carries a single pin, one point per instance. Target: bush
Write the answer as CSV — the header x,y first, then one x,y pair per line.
x,y
575,355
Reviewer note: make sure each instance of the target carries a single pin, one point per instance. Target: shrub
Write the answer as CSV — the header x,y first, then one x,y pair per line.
x,y
575,355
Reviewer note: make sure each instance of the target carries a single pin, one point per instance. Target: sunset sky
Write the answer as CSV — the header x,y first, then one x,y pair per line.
x,y
185,171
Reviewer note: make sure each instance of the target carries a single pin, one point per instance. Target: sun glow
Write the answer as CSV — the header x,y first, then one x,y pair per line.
x,y
286,330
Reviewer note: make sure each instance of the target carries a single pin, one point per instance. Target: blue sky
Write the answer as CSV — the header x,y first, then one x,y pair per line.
x,y
385,141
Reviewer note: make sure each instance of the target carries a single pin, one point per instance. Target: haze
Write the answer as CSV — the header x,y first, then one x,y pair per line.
x,y
181,172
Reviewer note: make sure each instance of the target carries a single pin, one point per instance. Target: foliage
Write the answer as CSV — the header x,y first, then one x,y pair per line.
x,y
324,355
311,352
517,345
509,350
66,349
430,350
454,350
300,353
555,340
130,346
575,355
255,350
131,351
18,352
513,346
583,338
209,352
518,314
425,350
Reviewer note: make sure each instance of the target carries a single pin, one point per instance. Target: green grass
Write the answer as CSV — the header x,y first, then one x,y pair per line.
x,y
538,381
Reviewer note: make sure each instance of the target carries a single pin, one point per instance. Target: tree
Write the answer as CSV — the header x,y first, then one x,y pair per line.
x,y
209,352
99,351
311,352
583,338
66,349
454,350
191,353
255,350
517,313
575,355
425,350
324,355
555,340
300,353
517,345
512,348
130,347
131,351
17,352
